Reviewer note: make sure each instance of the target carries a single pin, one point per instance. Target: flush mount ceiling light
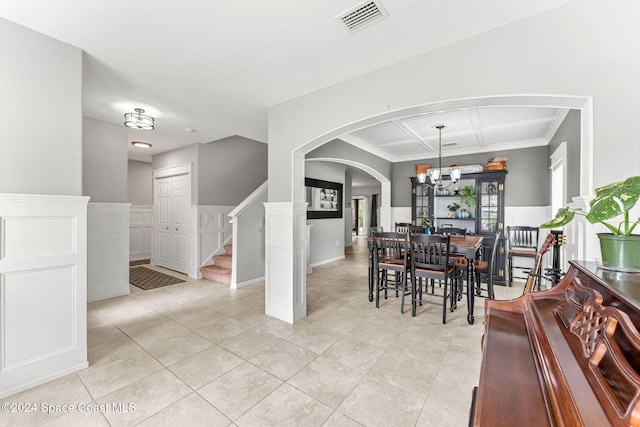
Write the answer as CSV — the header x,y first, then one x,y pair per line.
x,y
138,120
141,144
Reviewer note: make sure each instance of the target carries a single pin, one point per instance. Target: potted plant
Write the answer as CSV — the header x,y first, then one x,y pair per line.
x,y
453,207
620,249
468,196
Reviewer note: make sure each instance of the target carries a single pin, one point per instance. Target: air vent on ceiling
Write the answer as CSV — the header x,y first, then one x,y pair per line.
x,y
362,15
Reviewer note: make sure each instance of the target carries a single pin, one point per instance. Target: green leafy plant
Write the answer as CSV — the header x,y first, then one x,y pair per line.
x,y
468,196
426,222
611,201
453,207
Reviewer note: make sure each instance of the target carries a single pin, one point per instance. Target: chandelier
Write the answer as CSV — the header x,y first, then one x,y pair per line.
x,y
138,120
435,175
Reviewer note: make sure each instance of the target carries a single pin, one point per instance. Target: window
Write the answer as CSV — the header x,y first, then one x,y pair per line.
x,y
558,177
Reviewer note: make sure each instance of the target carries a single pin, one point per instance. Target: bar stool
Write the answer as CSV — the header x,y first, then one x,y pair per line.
x,y
523,243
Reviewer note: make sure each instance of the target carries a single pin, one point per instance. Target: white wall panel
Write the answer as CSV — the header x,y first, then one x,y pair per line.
x,y
108,250
214,231
43,289
140,229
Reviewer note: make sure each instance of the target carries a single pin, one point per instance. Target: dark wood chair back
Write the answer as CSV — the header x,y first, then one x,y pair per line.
x,y
430,253
453,231
523,238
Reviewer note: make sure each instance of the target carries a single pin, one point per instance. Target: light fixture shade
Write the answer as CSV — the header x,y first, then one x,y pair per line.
x,y
455,175
138,120
421,173
434,174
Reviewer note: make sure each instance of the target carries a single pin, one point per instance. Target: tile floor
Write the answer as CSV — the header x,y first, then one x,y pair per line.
x,y
200,354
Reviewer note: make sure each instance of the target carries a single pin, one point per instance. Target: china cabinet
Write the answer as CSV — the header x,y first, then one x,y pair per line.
x,y
433,206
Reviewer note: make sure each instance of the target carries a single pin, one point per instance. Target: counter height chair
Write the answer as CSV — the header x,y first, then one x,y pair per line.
x,y
430,260
390,255
483,268
523,243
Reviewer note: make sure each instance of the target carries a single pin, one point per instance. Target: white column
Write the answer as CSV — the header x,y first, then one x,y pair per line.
x,y
286,260
581,236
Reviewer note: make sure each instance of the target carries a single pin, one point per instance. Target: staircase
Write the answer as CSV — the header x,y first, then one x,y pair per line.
x,y
220,271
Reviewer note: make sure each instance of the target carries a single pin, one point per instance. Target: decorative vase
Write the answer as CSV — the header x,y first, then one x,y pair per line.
x,y
621,253
463,214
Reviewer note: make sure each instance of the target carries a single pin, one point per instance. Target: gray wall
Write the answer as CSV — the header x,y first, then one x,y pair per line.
x,y
526,183
41,113
140,183
181,156
230,169
568,131
104,161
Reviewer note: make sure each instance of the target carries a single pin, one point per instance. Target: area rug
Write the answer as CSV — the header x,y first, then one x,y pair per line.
x,y
139,262
145,278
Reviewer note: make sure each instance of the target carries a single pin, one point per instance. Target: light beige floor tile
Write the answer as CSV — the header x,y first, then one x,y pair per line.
x,y
205,366
80,417
239,389
315,338
354,353
377,403
249,343
67,390
102,379
326,380
135,324
286,407
284,359
104,333
158,334
108,351
253,316
403,371
340,420
378,333
434,415
222,329
198,319
192,411
148,396
178,348
339,322
282,329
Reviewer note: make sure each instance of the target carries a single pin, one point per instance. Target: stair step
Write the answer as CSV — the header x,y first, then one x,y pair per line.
x,y
228,249
224,260
216,273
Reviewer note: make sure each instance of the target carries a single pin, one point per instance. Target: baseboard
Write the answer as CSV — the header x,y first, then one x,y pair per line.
x,y
247,283
44,380
327,261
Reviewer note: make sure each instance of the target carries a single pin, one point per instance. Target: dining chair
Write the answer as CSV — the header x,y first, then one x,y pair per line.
x,y
453,231
390,255
430,260
523,243
483,268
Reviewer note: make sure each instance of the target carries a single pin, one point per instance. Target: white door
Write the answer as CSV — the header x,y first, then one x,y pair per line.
x,y
173,200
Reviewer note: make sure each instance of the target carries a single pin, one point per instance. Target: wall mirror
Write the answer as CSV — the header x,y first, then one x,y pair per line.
x,y
324,199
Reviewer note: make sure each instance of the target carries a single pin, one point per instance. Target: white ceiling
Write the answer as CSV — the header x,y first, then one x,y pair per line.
x,y
216,66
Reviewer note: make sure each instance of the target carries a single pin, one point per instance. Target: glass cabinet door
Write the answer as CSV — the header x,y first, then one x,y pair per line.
x,y
490,206
421,204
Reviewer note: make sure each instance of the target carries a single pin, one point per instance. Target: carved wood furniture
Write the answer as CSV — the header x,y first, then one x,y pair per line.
x,y
568,356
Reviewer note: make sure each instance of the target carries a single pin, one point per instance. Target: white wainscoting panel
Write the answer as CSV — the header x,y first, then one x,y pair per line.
x,y
108,250
286,261
140,232
214,231
43,289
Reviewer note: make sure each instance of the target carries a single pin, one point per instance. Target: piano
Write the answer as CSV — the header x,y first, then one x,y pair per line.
x,y
567,356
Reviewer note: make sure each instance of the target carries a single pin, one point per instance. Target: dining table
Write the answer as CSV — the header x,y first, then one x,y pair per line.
x,y
467,246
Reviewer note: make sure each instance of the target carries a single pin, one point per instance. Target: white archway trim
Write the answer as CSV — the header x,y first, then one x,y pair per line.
x,y
385,186
582,103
